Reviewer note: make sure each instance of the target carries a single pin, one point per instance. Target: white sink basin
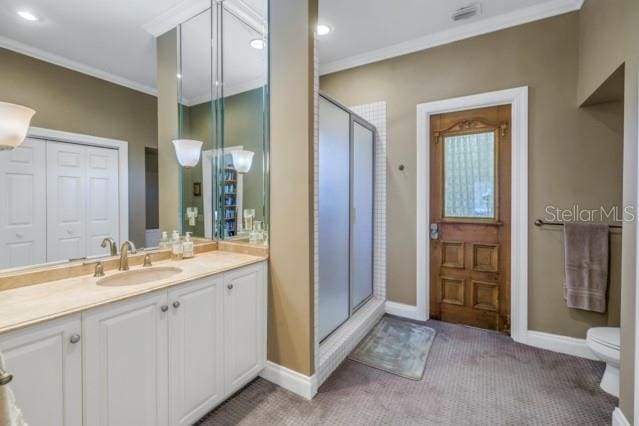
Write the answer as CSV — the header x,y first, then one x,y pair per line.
x,y
139,276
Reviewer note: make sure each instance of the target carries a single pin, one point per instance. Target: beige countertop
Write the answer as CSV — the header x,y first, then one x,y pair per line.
x,y
24,306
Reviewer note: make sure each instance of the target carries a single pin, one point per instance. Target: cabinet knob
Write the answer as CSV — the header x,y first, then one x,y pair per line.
x,y
74,338
164,308
19,235
176,304
230,286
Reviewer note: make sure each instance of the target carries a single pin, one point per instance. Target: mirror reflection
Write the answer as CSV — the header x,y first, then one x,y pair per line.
x,y
94,152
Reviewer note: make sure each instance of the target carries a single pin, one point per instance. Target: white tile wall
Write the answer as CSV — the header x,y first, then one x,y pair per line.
x,y
338,345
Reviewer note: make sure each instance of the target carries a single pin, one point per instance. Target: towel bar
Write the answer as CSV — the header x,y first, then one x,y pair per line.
x,y
540,222
5,377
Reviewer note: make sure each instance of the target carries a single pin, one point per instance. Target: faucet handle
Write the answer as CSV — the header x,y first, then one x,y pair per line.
x,y
147,261
99,270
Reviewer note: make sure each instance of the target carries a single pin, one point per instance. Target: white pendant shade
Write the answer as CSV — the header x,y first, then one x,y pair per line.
x,y
242,160
14,124
187,152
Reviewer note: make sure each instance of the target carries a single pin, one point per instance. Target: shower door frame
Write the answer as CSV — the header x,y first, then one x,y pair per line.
x,y
354,118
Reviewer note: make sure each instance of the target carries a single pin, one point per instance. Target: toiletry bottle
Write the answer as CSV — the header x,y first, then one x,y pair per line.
x,y
187,246
177,248
164,242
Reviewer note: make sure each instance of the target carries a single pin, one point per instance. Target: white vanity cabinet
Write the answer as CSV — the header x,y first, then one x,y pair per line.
x,y
196,363
46,363
163,358
125,362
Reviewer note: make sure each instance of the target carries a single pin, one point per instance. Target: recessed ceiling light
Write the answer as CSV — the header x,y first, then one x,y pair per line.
x,y
27,16
257,43
323,29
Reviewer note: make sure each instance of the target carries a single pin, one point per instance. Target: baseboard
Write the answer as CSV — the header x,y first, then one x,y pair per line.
x,y
295,382
561,344
618,419
403,310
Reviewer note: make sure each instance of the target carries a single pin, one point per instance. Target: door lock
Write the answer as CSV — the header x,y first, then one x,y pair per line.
x,y
434,231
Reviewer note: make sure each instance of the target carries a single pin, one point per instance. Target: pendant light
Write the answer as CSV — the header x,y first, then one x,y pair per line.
x,y
187,152
242,160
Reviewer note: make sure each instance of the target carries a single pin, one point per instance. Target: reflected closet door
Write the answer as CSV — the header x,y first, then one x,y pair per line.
x,y
334,166
362,214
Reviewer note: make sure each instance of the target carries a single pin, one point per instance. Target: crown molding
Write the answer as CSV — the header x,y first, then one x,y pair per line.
x,y
228,91
61,61
473,29
187,9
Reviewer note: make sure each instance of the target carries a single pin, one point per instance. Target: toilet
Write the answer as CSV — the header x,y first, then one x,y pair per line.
x,y
604,343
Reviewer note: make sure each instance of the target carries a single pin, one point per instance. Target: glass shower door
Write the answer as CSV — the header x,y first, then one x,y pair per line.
x,y
362,214
334,166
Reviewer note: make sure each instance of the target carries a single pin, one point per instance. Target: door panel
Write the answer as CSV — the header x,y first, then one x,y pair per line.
x,y
196,356
47,372
470,205
66,210
23,197
102,198
244,326
126,363
362,225
334,217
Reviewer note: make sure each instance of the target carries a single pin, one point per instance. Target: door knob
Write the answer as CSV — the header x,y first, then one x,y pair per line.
x,y
230,286
434,231
176,304
74,338
70,231
164,308
19,235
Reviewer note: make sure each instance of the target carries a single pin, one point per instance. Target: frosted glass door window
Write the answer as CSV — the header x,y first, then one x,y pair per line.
x,y
334,170
362,225
469,176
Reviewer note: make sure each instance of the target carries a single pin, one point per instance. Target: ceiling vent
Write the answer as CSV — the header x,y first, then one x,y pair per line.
x,y
467,12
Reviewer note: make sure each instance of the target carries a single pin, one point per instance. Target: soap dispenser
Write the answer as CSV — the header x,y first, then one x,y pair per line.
x,y
187,246
177,249
164,241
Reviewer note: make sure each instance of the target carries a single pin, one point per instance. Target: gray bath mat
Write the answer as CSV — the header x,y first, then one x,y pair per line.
x,y
397,346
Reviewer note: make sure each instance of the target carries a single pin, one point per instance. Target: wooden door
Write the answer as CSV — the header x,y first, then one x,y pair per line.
x,y
23,225
46,363
470,217
244,326
126,363
196,356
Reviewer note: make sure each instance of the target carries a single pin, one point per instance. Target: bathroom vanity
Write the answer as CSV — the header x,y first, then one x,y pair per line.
x,y
136,351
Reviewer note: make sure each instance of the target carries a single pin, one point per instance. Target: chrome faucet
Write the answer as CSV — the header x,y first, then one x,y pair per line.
x,y
124,254
113,248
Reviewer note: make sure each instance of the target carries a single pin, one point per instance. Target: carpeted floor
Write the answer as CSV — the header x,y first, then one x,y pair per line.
x,y
472,377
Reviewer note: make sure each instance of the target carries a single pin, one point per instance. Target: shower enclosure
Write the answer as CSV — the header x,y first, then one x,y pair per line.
x,y
346,198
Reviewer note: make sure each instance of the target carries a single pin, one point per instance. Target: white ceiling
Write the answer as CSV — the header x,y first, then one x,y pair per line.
x,y
106,38
370,30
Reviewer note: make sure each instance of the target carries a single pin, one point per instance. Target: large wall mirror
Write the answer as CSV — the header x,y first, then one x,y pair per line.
x,y
153,124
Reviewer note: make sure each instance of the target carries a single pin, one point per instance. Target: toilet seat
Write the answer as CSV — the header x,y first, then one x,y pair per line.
x,y
605,336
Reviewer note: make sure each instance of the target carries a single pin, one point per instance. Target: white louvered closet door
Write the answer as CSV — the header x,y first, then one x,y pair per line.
x,y
23,200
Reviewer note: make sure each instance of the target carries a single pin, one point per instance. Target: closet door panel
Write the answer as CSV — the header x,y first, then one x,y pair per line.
x,y
102,198
66,203
23,199
334,165
362,217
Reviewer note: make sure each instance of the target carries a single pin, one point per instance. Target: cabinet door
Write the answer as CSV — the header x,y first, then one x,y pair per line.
x,y
196,381
47,372
125,371
23,231
244,325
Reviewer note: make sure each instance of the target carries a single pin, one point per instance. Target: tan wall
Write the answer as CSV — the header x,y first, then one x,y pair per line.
x,y
290,298
631,139
167,119
74,102
574,154
600,44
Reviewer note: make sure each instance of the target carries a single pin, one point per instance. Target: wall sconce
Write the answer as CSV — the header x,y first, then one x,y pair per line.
x,y
187,152
14,124
242,160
